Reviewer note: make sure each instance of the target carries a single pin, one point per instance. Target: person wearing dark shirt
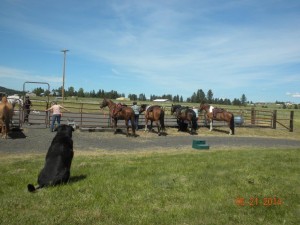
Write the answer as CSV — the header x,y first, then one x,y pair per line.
x,y
27,105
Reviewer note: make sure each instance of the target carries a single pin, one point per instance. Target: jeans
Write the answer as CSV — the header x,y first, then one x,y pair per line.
x,y
55,117
136,121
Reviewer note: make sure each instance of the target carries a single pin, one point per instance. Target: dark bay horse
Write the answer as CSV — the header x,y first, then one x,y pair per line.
x,y
154,113
218,114
185,115
120,113
6,114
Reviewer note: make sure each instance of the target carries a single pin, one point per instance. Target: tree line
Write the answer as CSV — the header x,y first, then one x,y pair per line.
x,y
198,96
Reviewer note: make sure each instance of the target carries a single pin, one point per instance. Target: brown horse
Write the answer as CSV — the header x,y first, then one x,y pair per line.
x,y
219,115
154,113
120,113
6,114
185,116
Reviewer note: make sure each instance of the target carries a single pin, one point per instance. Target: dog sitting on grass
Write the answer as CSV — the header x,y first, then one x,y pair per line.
x,y
58,160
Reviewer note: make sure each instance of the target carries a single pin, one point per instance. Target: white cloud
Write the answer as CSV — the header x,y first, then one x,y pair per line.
x,y
22,76
294,95
182,45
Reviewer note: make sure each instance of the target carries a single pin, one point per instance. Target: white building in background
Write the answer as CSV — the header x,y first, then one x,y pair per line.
x,y
161,100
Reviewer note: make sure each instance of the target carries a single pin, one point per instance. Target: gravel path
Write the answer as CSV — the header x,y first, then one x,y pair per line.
x,y
38,139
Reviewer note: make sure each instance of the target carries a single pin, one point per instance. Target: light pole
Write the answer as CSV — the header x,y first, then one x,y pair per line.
x,y
64,70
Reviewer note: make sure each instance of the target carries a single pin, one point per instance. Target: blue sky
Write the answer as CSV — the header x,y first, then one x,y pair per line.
x,y
232,47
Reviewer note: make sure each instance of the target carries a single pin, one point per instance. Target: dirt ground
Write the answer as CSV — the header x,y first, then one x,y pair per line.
x,y
31,139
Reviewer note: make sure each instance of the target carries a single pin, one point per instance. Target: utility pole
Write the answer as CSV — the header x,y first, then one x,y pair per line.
x,y
64,70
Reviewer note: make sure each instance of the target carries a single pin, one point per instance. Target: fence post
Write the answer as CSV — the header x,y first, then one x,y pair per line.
x,y
81,114
47,119
252,116
274,119
292,121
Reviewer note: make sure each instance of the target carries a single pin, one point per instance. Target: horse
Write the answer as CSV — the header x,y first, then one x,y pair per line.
x,y
154,113
218,114
120,112
6,114
185,116
15,99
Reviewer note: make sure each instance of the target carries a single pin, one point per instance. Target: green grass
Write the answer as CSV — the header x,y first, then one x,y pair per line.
x,y
175,187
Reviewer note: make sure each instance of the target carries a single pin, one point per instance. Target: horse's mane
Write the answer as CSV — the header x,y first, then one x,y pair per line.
x,y
4,100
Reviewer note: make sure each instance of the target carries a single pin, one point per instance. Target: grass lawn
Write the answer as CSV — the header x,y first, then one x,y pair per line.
x,y
248,186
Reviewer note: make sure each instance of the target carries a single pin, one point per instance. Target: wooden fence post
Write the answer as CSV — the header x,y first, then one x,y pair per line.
x,y
252,116
292,121
274,119
81,114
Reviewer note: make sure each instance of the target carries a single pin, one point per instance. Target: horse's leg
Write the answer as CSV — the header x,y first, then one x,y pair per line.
x,y
191,127
5,131
115,125
179,125
132,126
127,127
158,127
151,124
231,125
146,124
211,125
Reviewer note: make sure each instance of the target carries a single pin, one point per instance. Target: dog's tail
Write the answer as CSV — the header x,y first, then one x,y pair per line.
x,y
32,188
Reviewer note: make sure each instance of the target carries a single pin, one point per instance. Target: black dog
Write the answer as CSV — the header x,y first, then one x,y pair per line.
x,y
58,159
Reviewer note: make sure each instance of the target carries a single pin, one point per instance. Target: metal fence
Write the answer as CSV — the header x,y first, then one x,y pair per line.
x,y
89,115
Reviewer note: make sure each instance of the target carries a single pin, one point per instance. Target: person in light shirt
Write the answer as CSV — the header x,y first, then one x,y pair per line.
x,y
56,114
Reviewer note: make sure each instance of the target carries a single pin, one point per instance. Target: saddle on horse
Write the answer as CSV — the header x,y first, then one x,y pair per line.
x,y
149,108
117,109
216,111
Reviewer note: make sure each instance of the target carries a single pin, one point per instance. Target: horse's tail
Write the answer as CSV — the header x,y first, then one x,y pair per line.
x,y
162,120
132,120
32,188
194,122
232,124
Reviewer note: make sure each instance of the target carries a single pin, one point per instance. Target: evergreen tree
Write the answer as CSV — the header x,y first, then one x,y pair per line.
x,y
236,102
142,97
181,99
243,100
209,96
81,92
71,91
200,96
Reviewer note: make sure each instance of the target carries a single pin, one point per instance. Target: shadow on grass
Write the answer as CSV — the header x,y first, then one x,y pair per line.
x,y
121,132
74,179
162,133
218,130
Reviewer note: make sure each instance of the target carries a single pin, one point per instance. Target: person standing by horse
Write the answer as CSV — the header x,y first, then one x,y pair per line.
x,y
56,114
136,110
27,106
